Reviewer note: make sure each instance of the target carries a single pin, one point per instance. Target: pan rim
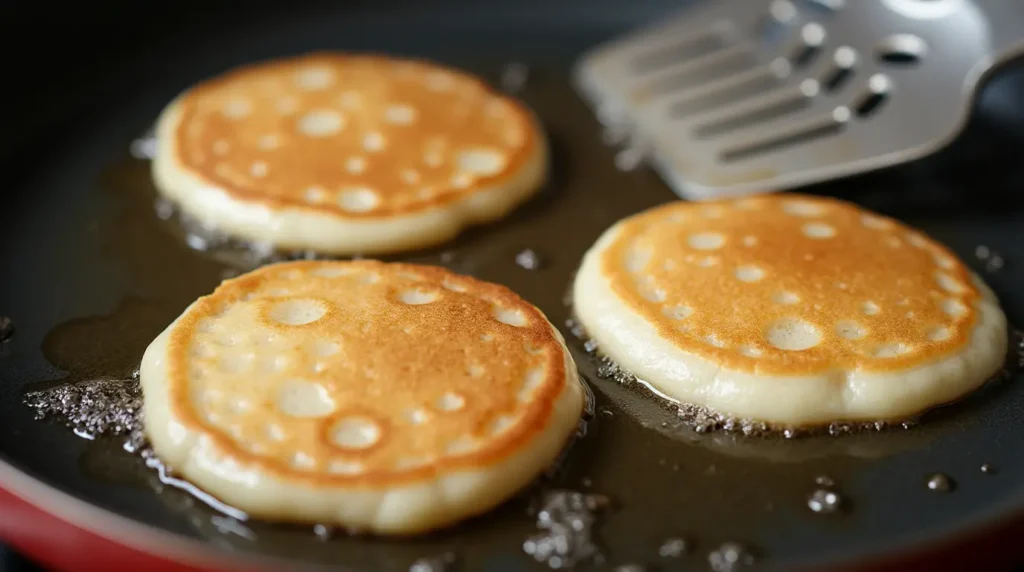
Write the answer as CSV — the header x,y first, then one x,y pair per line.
x,y
129,532
182,550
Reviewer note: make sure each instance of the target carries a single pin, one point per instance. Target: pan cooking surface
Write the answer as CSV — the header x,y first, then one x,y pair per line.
x,y
92,275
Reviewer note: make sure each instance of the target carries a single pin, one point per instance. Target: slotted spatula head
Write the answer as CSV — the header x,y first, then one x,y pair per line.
x,y
739,96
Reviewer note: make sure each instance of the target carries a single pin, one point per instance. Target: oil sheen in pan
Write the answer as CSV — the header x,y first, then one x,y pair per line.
x,y
664,480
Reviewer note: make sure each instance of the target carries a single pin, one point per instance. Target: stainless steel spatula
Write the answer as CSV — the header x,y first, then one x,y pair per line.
x,y
740,96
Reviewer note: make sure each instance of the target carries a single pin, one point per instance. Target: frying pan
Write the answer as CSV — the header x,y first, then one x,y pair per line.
x,y
90,275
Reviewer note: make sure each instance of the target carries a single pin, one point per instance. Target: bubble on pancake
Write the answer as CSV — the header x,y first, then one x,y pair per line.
x,y
533,380
269,141
948,283
373,141
850,330
802,208
750,351
749,273
678,312
462,180
314,78
953,307
818,230
706,240
707,261
286,105
482,162
321,123
259,169
451,402
237,108
417,296
400,114
302,398
786,298
316,194
875,222
231,363
355,432
792,334
358,199
298,312
511,317
355,164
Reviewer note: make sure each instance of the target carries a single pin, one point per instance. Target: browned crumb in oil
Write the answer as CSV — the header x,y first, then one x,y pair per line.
x,y
993,260
514,76
940,483
566,521
730,557
440,563
92,408
674,548
824,501
529,259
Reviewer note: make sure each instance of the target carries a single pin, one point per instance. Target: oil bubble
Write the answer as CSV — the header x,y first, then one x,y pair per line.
x,y
824,501
940,483
730,557
673,548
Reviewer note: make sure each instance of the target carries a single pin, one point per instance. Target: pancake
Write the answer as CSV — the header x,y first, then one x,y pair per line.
x,y
789,310
389,398
346,154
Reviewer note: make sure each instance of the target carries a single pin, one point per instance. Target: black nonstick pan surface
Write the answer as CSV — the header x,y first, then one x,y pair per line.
x,y
89,275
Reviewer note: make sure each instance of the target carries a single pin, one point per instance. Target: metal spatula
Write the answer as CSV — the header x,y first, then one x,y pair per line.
x,y
740,96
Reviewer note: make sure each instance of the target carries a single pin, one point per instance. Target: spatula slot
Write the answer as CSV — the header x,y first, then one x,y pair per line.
x,y
686,49
879,87
901,50
750,150
753,117
844,60
710,69
728,94
812,38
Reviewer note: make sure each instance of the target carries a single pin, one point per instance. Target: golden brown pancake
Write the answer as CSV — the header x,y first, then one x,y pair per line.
x,y
389,397
347,153
790,309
